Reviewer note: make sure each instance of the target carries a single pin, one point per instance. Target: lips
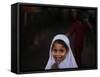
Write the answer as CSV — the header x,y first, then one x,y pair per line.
x,y
58,57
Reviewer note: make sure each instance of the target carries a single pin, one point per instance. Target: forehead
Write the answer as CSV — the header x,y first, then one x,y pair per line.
x,y
58,45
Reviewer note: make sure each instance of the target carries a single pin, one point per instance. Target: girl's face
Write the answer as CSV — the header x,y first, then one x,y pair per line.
x,y
59,52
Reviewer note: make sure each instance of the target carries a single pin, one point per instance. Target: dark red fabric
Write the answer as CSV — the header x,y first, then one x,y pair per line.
x,y
77,32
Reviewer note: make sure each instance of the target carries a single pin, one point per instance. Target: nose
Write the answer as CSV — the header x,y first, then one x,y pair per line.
x,y
58,53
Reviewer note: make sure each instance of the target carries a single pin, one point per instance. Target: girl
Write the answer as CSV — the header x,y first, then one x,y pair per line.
x,y
60,55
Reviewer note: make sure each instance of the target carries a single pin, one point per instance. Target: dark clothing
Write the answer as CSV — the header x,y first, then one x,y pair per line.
x,y
77,32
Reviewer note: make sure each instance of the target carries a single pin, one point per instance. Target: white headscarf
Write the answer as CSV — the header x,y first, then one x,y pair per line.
x,y
69,61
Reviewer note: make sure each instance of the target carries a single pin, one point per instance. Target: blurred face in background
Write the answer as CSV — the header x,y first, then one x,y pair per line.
x,y
74,12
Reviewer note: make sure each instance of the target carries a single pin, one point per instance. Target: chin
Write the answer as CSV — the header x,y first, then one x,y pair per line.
x,y
58,60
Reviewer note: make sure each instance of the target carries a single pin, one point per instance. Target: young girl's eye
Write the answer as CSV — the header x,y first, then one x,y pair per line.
x,y
61,50
55,50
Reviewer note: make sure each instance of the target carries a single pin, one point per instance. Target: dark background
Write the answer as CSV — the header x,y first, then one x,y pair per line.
x,y
38,26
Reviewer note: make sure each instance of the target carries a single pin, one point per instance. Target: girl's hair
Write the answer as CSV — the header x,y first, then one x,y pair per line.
x,y
60,42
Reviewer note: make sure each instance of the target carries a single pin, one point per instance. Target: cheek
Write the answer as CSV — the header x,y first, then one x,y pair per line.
x,y
63,54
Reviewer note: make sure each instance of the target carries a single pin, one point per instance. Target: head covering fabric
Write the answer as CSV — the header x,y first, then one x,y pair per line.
x,y
69,61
